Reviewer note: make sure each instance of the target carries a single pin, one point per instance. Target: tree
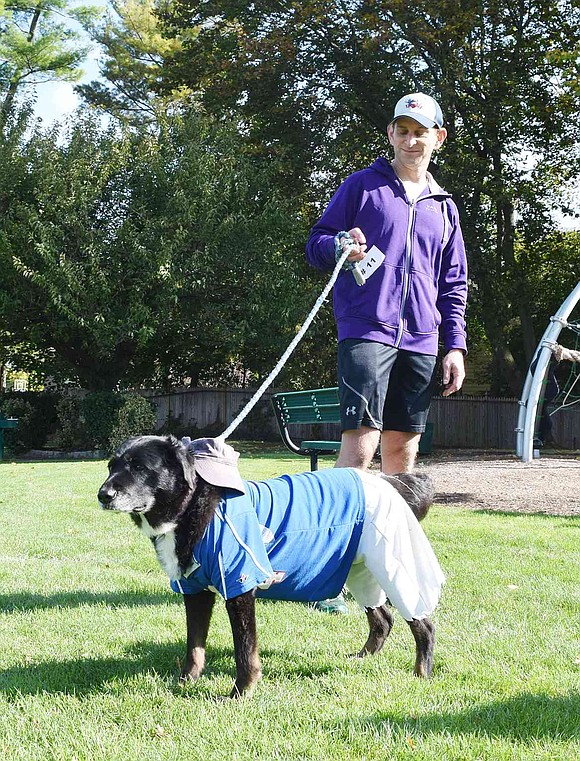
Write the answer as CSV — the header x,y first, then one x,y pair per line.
x,y
297,78
135,256
134,50
554,266
315,85
36,45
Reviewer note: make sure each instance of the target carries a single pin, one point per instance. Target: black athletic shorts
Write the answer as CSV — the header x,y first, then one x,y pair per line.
x,y
382,387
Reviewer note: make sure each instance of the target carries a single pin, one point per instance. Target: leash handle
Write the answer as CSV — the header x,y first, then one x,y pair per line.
x,y
344,242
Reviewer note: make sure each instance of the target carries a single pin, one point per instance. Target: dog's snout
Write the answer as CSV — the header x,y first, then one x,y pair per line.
x,y
106,494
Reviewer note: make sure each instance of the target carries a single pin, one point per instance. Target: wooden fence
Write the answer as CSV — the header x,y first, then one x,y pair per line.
x,y
458,421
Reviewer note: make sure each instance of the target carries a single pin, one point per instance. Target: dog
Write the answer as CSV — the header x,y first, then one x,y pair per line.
x,y
215,533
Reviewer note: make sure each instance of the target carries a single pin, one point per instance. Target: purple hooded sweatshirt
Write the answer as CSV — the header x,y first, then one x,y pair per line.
x,y
419,292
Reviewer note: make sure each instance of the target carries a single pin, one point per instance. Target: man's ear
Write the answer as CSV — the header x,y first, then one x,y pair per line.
x,y
441,136
185,458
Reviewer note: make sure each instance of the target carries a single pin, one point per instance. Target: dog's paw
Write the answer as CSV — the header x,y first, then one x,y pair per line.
x,y
245,688
187,678
236,694
423,670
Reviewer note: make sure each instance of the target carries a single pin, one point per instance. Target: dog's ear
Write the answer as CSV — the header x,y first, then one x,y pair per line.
x,y
185,459
416,489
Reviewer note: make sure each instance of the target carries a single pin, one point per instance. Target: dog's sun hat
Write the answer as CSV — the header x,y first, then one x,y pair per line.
x,y
420,107
216,462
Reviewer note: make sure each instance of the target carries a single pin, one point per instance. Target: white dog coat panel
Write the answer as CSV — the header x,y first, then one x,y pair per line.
x,y
394,557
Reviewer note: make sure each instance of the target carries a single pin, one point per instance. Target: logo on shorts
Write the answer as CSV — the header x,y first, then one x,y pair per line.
x,y
351,410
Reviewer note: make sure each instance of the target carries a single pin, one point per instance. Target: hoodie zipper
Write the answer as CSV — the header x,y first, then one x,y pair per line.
x,y
407,272
409,255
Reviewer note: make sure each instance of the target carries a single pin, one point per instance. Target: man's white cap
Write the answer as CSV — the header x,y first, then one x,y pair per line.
x,y
420,107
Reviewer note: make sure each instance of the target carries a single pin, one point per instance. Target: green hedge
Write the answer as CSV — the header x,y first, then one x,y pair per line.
x,y
37,418
136,416
99,420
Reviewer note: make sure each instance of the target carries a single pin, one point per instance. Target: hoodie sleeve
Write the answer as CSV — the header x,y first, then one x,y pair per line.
x,y
340,214
452,298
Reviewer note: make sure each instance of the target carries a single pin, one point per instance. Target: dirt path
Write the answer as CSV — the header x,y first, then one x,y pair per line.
x,y
481,480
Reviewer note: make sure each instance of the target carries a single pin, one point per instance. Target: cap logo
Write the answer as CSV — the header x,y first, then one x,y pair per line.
x,y
413,103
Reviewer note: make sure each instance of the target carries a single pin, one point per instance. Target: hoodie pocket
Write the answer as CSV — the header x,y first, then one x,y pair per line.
x,y
377,301
421,314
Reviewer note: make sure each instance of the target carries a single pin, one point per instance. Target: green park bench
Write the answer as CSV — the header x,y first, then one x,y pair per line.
x,y
318,405
4,424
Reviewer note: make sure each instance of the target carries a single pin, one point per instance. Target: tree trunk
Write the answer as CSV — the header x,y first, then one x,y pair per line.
x,y
518,279
18,76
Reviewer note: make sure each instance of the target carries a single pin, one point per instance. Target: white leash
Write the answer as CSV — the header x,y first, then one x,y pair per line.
x,y
294,343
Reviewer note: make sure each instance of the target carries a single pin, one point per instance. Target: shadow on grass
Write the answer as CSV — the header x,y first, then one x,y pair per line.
x,y
525,717
24,601
475,504
87,675
569,521
453,498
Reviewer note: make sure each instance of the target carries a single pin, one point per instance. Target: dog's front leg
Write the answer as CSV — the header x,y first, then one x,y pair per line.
x,y
198,610
242,613
424,634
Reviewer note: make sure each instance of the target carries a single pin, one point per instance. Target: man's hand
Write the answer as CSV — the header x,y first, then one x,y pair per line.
x,y
358,252
453,371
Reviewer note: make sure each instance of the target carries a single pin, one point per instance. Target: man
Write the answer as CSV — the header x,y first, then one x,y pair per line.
x,y
404,229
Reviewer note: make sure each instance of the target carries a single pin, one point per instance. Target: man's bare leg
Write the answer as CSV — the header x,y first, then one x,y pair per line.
x,y
357,448
398,451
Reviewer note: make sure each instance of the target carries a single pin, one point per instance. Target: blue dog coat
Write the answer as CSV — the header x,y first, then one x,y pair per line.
x,y
293,537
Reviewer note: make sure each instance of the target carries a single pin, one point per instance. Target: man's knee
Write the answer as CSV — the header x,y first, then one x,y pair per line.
x,y
398,451
357,448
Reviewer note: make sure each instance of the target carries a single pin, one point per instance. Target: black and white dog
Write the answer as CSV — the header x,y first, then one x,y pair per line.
x,y
296,537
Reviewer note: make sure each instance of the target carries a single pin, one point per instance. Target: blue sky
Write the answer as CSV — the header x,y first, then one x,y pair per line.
x,y
56,100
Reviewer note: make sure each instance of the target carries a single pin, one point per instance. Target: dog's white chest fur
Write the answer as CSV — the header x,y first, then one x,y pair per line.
x,y
164,542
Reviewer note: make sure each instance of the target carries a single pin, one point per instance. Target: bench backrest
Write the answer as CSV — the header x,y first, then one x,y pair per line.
x,y
319,405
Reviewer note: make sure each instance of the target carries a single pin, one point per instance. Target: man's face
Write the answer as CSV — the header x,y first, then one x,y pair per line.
x,y
413,144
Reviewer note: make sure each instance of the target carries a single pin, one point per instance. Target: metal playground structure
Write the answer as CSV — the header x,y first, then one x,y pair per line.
x,y
536,379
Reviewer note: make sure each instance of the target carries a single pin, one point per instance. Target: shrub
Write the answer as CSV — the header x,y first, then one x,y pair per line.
x,y
99,411
22,438
175,426
100,420
37,418
71,433
136,417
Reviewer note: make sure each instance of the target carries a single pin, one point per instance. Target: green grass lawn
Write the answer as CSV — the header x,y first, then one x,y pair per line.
x,y
91,637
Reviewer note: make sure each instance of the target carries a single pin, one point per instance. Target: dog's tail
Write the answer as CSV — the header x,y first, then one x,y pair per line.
x,y
416,489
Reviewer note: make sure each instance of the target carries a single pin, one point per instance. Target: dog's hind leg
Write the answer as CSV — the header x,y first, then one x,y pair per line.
x,y
380,624
424,633
242,613
198,610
